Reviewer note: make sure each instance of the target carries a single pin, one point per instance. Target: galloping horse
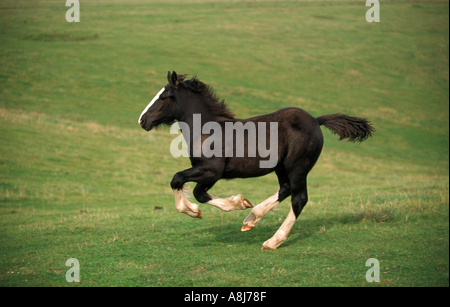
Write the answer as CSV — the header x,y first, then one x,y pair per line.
x,y
298,140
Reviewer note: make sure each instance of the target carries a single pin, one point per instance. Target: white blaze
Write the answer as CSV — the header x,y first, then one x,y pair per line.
x,y
150,104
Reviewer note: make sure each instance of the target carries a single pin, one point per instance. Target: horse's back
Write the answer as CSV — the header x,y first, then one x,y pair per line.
x,y
299,138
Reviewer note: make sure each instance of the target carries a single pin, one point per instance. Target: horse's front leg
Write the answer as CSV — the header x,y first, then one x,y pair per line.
x,y
235,202
182,203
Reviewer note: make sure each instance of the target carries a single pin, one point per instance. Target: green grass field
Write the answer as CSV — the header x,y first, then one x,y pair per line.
x,y
80,179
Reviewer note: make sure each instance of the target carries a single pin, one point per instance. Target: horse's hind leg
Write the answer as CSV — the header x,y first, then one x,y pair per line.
x,y
236,202
298,202
261,210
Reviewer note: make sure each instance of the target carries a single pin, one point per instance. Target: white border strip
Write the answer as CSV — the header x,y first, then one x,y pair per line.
x,y
150,104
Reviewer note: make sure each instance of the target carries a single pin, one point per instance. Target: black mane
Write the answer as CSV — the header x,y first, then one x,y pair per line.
x,y
217,107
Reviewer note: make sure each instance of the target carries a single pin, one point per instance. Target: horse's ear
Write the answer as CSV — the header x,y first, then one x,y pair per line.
x,y
173,79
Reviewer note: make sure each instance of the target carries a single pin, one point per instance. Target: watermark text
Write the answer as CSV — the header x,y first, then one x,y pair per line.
x,y
232,143
73,274
373,274
373,14
73,14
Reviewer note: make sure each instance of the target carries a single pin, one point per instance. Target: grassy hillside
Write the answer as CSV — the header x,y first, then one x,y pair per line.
x,y
79,178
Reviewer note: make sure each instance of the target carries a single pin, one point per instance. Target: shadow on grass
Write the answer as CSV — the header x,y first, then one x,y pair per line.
x,y
303,229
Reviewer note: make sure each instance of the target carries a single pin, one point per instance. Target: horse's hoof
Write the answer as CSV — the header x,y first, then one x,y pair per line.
x,y
246,228
199,215
266,247
247,203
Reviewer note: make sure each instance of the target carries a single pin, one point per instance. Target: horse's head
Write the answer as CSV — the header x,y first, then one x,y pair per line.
x,y
180,99
164,109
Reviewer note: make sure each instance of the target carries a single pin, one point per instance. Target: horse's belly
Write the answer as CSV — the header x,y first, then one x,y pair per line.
x,y
245,168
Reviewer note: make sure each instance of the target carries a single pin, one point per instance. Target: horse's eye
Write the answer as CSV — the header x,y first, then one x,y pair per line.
x,y
162,98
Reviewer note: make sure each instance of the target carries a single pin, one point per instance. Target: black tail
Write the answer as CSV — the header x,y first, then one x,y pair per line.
x,y
354,128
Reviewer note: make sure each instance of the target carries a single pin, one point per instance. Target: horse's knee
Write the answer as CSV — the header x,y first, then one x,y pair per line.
x,y
177,182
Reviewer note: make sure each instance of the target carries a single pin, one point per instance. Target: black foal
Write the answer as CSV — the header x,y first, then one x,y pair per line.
x,y
287,142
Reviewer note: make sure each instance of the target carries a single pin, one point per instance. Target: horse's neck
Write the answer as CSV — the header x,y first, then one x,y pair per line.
x,y
197,117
